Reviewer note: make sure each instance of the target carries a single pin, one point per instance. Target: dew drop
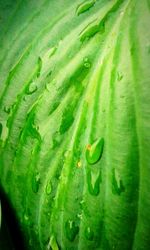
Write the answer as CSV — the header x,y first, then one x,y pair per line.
x,y
71,230
36,182
117,184
32,88
52,245
89,233
49,188
86,5
94,180
94,151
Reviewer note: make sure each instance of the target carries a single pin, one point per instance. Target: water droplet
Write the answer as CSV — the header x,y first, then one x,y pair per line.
x,y
32,88
26,217
66,153
117,184
36,182
80,216
39,67
52,245
49,188
67,120
94,151
7,109
119,76
33,129
87,63
93,180
71,230
3,130
86,5
89,233
52,51
84,208
30,242
90,30
79,164
132,50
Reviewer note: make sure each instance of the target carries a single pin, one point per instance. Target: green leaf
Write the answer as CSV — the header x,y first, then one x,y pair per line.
x,y
75,122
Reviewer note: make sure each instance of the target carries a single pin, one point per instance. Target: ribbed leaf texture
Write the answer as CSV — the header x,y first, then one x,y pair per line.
x,y
75,122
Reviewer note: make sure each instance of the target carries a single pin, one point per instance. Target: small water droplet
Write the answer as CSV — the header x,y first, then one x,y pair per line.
x,y
89,233
132,50
90,30
3,130
32,88
52,51
87,63
119,76
36,182
84,208
94,151
117,184
30,242
79,164
71,230
26,217
86,5
49,188
80,216
39,67
93,180
7,109
67,120
52,245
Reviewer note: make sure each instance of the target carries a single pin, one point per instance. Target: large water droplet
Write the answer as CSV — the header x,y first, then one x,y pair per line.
x,y
71,230
94,151
49,188
89,233
36,182
86,5
117,184
52,245
94,180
